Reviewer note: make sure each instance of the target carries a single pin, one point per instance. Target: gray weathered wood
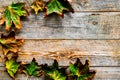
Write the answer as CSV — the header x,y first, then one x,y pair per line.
x,y
103,73
93,22
91,25
95,46
73,26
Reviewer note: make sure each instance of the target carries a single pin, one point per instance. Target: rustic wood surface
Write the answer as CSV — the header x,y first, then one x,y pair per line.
x,y
92,32
100,52
91,25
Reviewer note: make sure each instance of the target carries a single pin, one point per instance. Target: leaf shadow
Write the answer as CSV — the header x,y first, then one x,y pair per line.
x,y
53,20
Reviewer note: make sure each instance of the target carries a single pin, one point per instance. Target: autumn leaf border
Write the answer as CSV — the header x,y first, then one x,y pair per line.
x,y
21,66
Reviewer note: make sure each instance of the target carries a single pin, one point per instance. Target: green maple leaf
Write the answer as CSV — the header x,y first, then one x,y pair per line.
x,y
58,6
12,15
54,72
37,6
32,69
9,43
12,67
80,71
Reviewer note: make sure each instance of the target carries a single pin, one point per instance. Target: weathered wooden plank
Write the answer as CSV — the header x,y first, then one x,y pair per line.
x,y
100,52
93,25
80,5
103,73
96,50
95,46
96,5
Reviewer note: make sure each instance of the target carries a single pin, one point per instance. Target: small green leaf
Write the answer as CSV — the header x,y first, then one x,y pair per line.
x,y
57,6
81,71
12,67
12,15
32,69
54,72
37,6
9,43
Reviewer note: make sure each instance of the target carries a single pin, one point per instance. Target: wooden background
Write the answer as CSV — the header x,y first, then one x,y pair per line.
x,y
92,32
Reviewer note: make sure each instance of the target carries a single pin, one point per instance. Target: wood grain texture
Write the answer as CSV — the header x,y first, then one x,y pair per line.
x,y
100,52
92,32
103,73
98,46
93,25
80,5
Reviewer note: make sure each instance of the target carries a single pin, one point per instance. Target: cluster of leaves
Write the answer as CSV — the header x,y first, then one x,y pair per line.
x,y
32,69
10,44
11,15
78,71
13,12
52,6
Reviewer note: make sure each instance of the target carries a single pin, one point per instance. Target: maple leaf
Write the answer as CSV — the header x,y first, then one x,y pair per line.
x,y
12,67
57,6
80,71
32,69
37,6
54,72
12,15
9,43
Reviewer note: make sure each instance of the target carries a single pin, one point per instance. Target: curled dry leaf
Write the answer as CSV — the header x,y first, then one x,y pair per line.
x,y
54,72
9,43
12,15
32,69
12,67
80,71
58,6
37,6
